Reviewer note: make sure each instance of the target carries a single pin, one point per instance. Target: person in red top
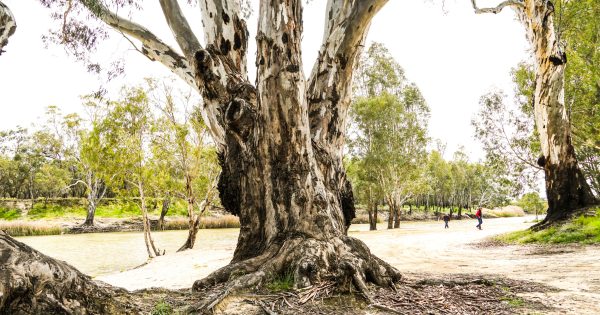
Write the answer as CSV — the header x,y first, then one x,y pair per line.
x,y
479,216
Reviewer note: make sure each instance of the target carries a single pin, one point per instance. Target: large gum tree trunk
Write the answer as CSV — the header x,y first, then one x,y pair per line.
x,y
566,187
281,153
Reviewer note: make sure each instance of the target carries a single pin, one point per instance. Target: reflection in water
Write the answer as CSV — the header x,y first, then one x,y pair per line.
x,y
104,253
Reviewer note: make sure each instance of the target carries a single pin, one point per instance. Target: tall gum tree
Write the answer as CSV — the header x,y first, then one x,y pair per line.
x,y
566,187
279,141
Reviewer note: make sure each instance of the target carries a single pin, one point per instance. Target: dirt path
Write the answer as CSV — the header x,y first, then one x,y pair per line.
x,y
425,248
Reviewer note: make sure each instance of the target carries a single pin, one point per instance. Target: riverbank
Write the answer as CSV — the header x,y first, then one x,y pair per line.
x,y
70,225
56,221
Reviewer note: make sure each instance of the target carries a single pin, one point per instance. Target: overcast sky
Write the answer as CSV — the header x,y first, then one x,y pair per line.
x,y
453,55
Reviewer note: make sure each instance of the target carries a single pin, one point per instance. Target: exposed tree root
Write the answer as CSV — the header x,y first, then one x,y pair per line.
x,y
346,261
33,283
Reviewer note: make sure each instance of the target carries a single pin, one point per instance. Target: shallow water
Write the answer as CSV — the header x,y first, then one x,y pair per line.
x,y
98,254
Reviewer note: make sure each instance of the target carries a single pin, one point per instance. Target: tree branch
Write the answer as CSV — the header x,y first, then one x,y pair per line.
x,y
185,37
225,31
329,86
152,47
499,7
7,25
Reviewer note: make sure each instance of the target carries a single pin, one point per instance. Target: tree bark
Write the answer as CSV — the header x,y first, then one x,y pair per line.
x,y
285,182
166,203
8,26
566,187
373,225
33,283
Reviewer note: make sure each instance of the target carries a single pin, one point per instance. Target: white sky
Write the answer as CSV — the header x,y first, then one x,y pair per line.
x,y
453,55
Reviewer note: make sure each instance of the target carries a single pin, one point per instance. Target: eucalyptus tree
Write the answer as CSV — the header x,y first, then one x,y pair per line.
x,y
280,141
181,147
127,129
566,187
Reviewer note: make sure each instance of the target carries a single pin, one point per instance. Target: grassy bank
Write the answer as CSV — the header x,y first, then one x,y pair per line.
x,y
30,228
75,208
35,228
583,230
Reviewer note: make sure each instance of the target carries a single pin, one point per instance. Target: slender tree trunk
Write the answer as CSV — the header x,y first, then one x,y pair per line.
x,y
166,203
150,247
193,220
459,213
91,212
566,187
397,215
392,212
375,211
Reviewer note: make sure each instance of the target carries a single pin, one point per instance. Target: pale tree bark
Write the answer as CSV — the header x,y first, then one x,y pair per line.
x,y
566,187
33,283
8,25
166,203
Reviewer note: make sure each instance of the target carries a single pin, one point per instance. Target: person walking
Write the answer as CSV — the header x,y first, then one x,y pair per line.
x,y
479,216
446,219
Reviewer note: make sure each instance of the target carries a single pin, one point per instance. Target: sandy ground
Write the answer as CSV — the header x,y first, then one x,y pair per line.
x,y
417,247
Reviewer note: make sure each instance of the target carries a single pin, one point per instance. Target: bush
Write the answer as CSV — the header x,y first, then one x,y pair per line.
x,y
9,214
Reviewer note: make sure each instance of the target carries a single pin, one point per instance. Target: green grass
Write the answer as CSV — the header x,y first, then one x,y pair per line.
x,y
283,282
162,308
28,228
514,301
584,230
9,214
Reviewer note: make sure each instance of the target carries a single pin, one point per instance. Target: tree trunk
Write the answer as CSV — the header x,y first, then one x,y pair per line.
x,y
566,187
166,203
7,26
392,212
373,226
33,283
397,215
193,220
91,212
459,213
150,247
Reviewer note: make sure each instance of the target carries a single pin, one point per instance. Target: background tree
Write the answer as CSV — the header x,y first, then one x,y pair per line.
x,y
566,187
127,127
531,202
181,141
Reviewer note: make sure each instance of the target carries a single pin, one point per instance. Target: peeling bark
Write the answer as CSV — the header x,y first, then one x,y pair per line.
x,y
566,187
8,26
33,283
